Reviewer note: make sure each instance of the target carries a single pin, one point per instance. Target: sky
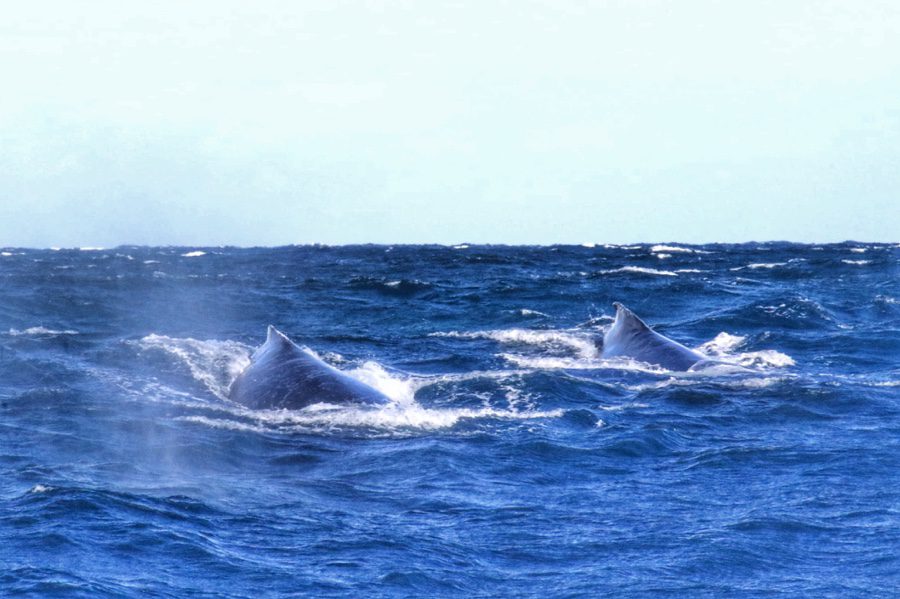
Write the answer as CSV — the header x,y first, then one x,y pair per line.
x,y
270,123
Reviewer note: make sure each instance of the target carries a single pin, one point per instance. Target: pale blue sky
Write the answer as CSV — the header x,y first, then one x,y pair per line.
x,y
266,123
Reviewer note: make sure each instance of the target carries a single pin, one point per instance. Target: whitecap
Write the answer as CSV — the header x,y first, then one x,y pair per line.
x,y
392,418
761,265
5,253
41,331
675,248
641,270
40,489
857,262
194,254
663,256
858,250
527,312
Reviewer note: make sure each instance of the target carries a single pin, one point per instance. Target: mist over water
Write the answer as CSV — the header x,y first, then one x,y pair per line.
x,y
512,459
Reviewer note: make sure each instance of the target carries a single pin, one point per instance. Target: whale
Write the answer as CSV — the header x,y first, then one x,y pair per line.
x,y
283,375
630,337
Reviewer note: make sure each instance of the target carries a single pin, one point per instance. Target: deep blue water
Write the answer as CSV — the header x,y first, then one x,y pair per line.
x,y
513,461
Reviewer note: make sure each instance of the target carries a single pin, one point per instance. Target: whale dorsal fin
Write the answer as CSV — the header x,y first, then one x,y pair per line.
x,y
275,339
628,320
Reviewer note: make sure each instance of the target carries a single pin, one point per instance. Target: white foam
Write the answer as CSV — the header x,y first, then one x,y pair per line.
x,y
624,406
675,248
689,270
580,363
392,418
663,256
641,270
857,262
91,249
40,489
583,344
41,331
858,250
194,254
213,363
5,253
588,245
767,358
151,261
462,246
721,344
761,265
527,312
724,379
723,347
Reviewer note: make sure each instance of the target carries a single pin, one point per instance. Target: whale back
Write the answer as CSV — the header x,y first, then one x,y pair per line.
x,y
630,337
283,375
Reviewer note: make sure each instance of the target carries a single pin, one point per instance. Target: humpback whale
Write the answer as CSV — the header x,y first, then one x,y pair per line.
x,y
630,337
284,375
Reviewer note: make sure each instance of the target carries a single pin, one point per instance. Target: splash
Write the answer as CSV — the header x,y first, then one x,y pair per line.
x,y
722,344
213,363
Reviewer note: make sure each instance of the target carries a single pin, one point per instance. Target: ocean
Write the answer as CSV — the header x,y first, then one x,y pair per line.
x,y
512,461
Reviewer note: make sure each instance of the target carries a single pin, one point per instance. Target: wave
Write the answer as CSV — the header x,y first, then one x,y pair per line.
x,y
194,254
391,419
857,262
400,287
676,249
582,343
756,265
640,270
38,331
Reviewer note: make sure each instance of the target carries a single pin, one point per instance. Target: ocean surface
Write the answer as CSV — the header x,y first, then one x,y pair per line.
x,y
512,461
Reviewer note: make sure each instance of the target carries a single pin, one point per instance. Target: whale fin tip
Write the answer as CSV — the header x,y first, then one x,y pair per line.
x,y
627,318
275,336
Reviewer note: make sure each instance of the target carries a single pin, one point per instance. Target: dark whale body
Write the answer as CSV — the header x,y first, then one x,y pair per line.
x,y
630,337
283,375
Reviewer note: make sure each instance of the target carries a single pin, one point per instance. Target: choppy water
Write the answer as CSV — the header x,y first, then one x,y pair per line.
x,y
513,461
